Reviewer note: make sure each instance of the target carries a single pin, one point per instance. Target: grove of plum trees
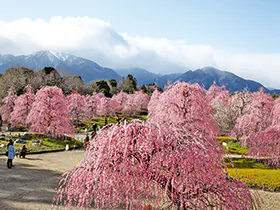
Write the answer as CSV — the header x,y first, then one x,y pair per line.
x,y
171,160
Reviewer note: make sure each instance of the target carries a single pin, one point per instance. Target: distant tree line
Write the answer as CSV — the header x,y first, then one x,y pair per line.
x,y
19,78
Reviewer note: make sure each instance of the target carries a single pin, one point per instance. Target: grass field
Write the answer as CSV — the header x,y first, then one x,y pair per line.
x,y
48,144
254,173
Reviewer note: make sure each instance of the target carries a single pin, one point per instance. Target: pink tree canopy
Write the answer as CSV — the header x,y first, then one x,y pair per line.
x,y
257,118
240,102
184,106
217,92
141,101
265,143
172,160
121,99
219,99
76,105
152,106
91,105
22,106
240,105
130,105
8,104
49,113
275,113
106,106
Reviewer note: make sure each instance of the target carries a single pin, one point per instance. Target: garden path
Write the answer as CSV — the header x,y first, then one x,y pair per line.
x,y
31,184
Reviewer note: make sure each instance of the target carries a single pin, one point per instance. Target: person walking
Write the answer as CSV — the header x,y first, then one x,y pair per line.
x,y
11,154
86,141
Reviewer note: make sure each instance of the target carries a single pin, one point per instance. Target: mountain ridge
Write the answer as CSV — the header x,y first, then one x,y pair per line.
x,y
207,75
69,65
63,62
139,73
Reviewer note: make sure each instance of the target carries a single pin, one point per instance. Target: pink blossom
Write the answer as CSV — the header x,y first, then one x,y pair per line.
x,y
8,105
49,113
22,106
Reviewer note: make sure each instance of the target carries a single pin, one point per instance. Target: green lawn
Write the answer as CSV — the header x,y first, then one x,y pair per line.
x,y
255,174
233,146
101,121
48,144
267,179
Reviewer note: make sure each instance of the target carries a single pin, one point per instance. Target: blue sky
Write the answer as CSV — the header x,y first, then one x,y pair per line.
x,y
241,36
250,25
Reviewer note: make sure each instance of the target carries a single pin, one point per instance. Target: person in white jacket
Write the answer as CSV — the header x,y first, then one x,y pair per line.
x,y
11,154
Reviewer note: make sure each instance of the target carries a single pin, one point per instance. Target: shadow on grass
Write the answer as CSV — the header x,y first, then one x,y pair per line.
x,y
26,187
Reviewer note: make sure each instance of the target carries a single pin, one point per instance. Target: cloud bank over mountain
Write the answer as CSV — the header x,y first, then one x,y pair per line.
x,y
97,40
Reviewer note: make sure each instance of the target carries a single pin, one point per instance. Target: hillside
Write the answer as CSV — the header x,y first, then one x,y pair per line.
x,y
66,65
207,75
142,75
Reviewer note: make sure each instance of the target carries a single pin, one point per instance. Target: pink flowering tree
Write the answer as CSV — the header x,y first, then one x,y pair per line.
x,y
106,106
130,106
22,106
265,143
49,113
240,102
219,99
240,105
91,105
76,105
161,163
152,106
216,91
141,101
275,113
257,118
121,99
8,105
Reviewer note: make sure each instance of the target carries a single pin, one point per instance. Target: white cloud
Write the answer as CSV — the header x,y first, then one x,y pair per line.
x,y
98,41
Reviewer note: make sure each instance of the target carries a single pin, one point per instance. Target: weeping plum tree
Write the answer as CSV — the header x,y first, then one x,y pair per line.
x,y
8,104
120,99
172,160
240,102
22,106
215,92
76,105
141,100
106,106
130,105
257,118
152,106
266,143
91,105
49,113
219,99
240,106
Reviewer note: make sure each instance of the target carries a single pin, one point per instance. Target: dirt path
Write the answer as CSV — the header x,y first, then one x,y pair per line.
x,y
31,184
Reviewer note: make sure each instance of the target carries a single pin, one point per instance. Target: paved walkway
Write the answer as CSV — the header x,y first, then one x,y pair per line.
x,y
31,184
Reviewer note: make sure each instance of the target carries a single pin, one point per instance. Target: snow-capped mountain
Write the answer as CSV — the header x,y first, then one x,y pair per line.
x,y
66,64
